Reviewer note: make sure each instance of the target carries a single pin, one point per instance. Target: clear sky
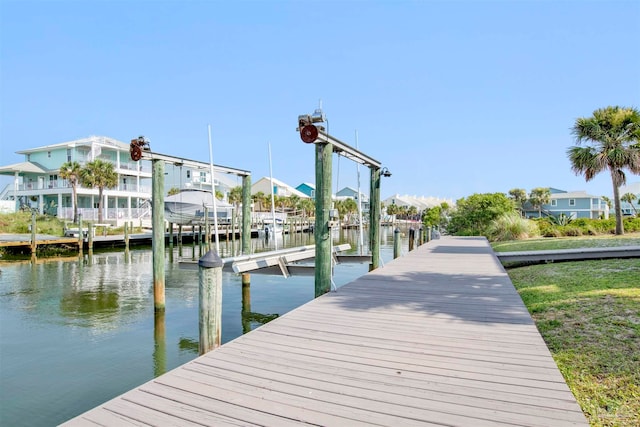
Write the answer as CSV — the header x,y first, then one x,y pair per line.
x,y
455,97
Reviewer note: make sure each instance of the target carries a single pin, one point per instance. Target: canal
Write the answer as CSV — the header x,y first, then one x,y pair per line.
x,y
77,332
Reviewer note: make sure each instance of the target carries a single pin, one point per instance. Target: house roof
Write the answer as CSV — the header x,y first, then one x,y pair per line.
x,y
24,167
421,202
102,140
573,195
279,183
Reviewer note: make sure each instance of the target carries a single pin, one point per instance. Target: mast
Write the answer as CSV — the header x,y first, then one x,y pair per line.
x,y
360,230
213,194
273,210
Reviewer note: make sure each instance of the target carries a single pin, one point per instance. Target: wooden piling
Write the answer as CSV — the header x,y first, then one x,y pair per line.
x,y
157,242
193,242
90,236
180,240
126,237
210,301
171,236
246,214
34,242
374,219
322,232
412,238
80,236
396,243
246,302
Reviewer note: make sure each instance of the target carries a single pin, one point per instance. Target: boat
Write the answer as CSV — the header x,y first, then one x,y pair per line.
x,y
268,230
188,207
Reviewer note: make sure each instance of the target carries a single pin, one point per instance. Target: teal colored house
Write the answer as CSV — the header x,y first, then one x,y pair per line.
x,y
38,185
308,189
572,204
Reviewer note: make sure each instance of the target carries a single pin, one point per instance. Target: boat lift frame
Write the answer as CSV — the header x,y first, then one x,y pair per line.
x,y
326,145
140,149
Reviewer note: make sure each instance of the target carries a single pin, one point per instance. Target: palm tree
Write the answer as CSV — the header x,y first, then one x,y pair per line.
x,y
308,207
612,138
99,174
519,196
630,198
259,200
235,198
540,196
71,172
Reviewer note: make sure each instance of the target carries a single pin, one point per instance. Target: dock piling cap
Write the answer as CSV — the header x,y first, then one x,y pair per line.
x,y
210,260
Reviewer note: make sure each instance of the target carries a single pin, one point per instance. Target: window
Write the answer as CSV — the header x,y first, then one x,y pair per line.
x,y
28,157
68,154
554,202
49,154
188,174
572,202
203,177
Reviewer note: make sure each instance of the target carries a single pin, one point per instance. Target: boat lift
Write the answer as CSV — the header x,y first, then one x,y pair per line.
x,y
326,145
140,149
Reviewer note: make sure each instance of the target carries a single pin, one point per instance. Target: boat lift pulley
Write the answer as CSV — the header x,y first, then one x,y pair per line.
x,y
137,145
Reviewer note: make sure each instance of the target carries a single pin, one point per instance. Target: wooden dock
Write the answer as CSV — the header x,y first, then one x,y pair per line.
x,y
436,337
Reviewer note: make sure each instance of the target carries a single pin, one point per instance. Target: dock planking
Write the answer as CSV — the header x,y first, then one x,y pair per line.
x,y
436,337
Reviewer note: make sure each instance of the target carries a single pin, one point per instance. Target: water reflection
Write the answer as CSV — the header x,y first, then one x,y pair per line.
x,y
159,344
87,322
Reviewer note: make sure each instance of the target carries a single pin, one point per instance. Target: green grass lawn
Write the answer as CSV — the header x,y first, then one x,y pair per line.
x,y
601,241
588,313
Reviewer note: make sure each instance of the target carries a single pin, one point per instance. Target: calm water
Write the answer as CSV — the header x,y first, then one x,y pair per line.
x,y
75,333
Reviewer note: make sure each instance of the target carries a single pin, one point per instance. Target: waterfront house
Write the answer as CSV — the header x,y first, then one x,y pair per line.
x,y
263,185
351,193
37,184
571,204
633,208
308,189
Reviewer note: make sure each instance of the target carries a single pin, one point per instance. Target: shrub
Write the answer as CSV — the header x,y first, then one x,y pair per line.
x,y
631,224
570,230
511,226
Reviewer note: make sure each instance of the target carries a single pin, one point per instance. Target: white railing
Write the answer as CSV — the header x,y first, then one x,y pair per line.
x,y
91,214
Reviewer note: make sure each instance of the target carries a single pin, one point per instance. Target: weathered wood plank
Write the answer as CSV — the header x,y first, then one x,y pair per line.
x,y
436,337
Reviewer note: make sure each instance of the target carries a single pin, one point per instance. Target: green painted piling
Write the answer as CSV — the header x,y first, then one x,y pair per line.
x,y
90,229
80,235
34,243
157,243
374,219
246,214
210,301
322,232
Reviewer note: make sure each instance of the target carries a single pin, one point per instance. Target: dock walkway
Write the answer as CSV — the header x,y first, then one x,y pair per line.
x,y
436,337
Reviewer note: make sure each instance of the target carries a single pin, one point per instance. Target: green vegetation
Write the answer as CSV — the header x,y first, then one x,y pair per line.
x,y
99,174
20,223
612,143
588,313
604,241
511,226
473,215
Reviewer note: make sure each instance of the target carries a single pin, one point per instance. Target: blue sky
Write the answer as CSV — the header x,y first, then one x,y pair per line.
x,y
455,97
